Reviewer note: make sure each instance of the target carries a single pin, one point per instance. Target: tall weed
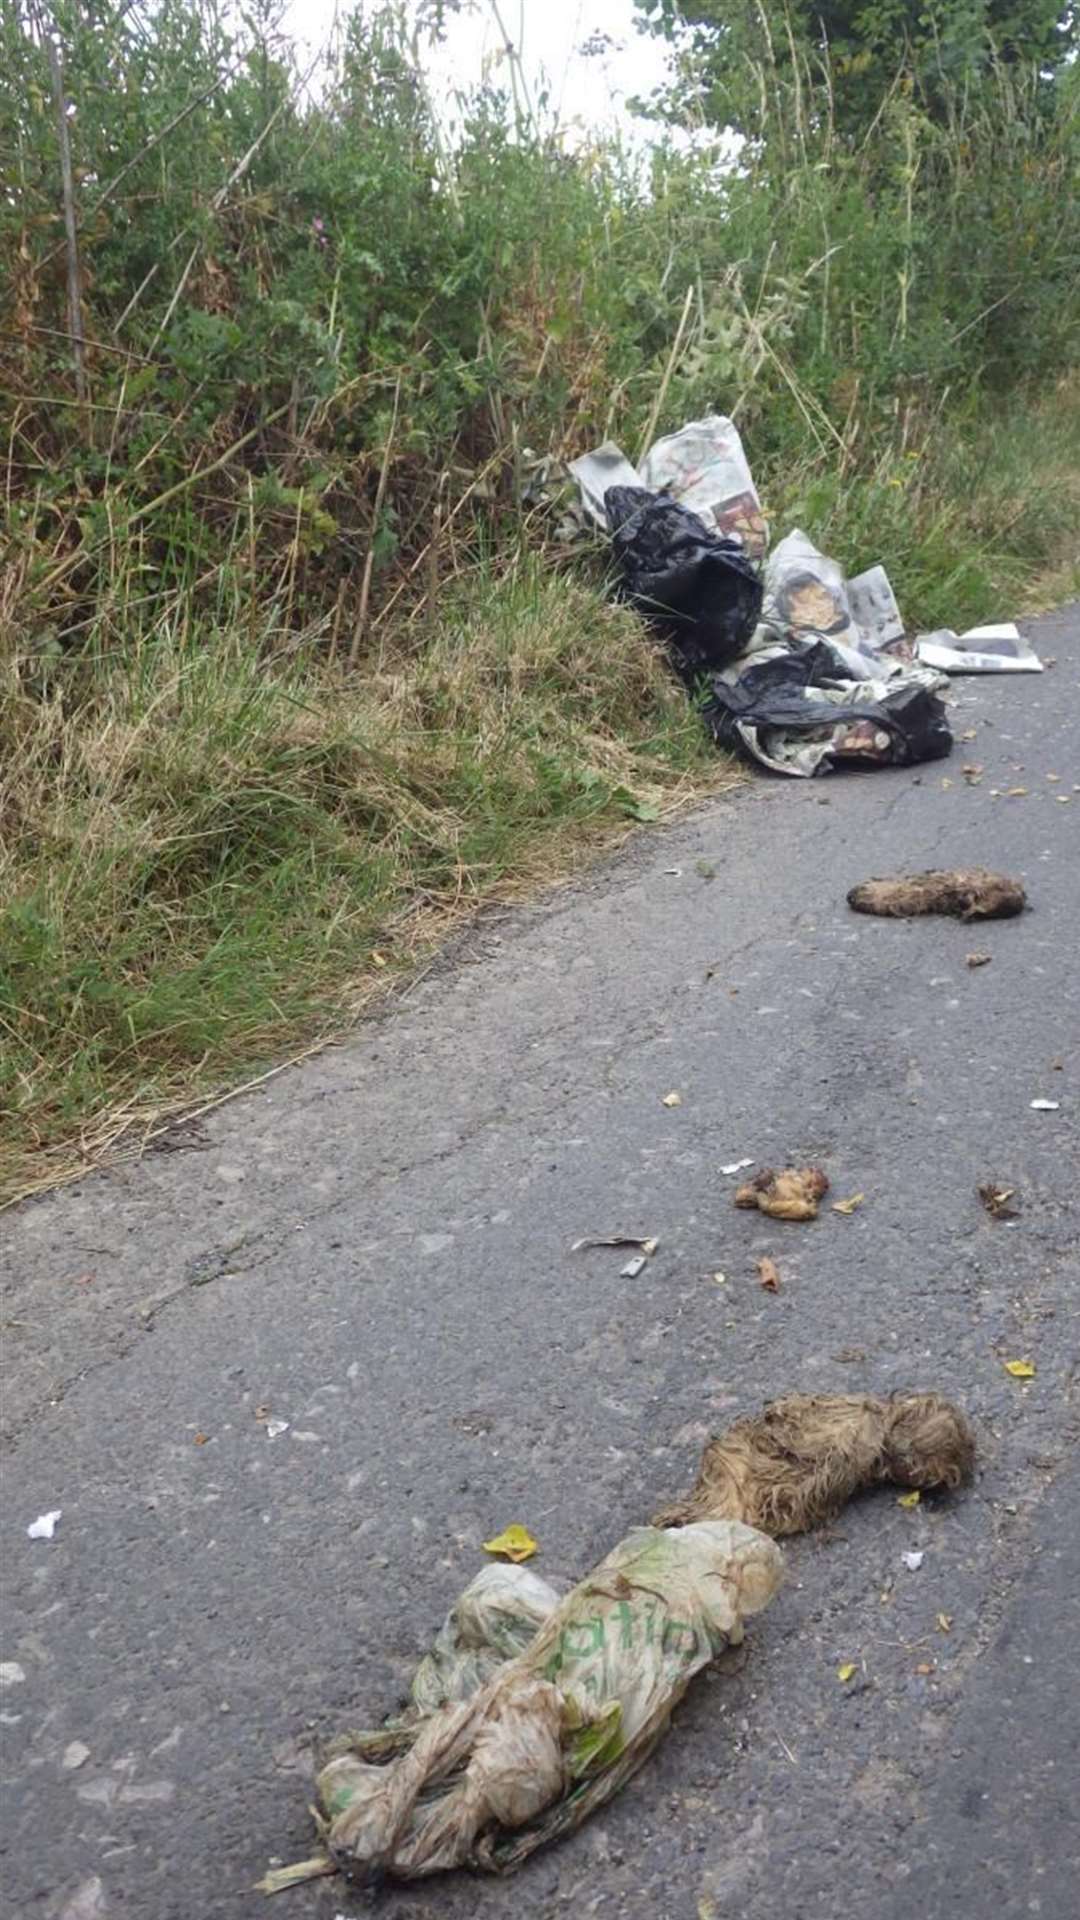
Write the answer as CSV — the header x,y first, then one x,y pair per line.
x,y
327,352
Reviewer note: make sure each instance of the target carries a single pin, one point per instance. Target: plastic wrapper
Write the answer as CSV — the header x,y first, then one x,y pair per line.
x,y
556,1729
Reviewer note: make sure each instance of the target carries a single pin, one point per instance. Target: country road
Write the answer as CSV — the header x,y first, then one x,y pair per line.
x,y
376,1248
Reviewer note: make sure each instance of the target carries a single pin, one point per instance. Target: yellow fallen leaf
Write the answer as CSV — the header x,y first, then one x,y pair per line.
x,y
515,1542
671,1100
378,959
1021,1369
944,1622
848,1206
846,1672
909,1499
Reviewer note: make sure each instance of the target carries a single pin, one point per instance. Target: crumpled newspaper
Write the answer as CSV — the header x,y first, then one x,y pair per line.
x,y
826,676
703,467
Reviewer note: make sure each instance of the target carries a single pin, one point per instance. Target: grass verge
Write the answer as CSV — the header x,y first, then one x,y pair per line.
x,y
212,857
215,849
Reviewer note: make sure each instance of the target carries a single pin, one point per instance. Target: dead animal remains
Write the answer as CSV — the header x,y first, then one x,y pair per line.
x,y
969,893
794,1465
792,1194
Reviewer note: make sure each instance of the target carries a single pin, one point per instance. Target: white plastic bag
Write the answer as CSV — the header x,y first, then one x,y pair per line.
x,y
557,1729
497,1616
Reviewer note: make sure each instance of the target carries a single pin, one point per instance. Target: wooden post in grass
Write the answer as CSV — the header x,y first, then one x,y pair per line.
x,y
369,563
75,325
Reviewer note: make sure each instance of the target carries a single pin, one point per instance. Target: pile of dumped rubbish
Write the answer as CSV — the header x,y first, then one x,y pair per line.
x,y
795,666
531,1710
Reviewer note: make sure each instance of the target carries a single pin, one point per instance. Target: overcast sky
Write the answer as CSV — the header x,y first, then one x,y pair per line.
x,y
549,33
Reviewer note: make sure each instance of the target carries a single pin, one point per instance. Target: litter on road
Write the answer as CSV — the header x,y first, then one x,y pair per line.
x,y
482,1781
968,893
796,1464
993,649
531,1711
44,1526
996,1200
647,1244
792,1194
800,668
516,1542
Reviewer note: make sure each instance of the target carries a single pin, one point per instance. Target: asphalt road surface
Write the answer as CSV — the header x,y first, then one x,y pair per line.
x,y
377,1248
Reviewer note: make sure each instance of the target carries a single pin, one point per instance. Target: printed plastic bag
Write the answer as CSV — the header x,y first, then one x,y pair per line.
x,y
497,1616
557,1729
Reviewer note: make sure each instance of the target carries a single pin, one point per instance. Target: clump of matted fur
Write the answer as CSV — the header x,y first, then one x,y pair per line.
x,y
969,893
794,1465
791,1194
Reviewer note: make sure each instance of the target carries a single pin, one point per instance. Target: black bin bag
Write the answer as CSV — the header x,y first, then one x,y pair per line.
x,y
695,587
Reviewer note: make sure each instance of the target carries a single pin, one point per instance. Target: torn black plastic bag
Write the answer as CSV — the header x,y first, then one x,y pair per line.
x,y
798,713
695,587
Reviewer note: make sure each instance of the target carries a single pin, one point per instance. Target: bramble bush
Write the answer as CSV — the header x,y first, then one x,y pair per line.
x,y
289,283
